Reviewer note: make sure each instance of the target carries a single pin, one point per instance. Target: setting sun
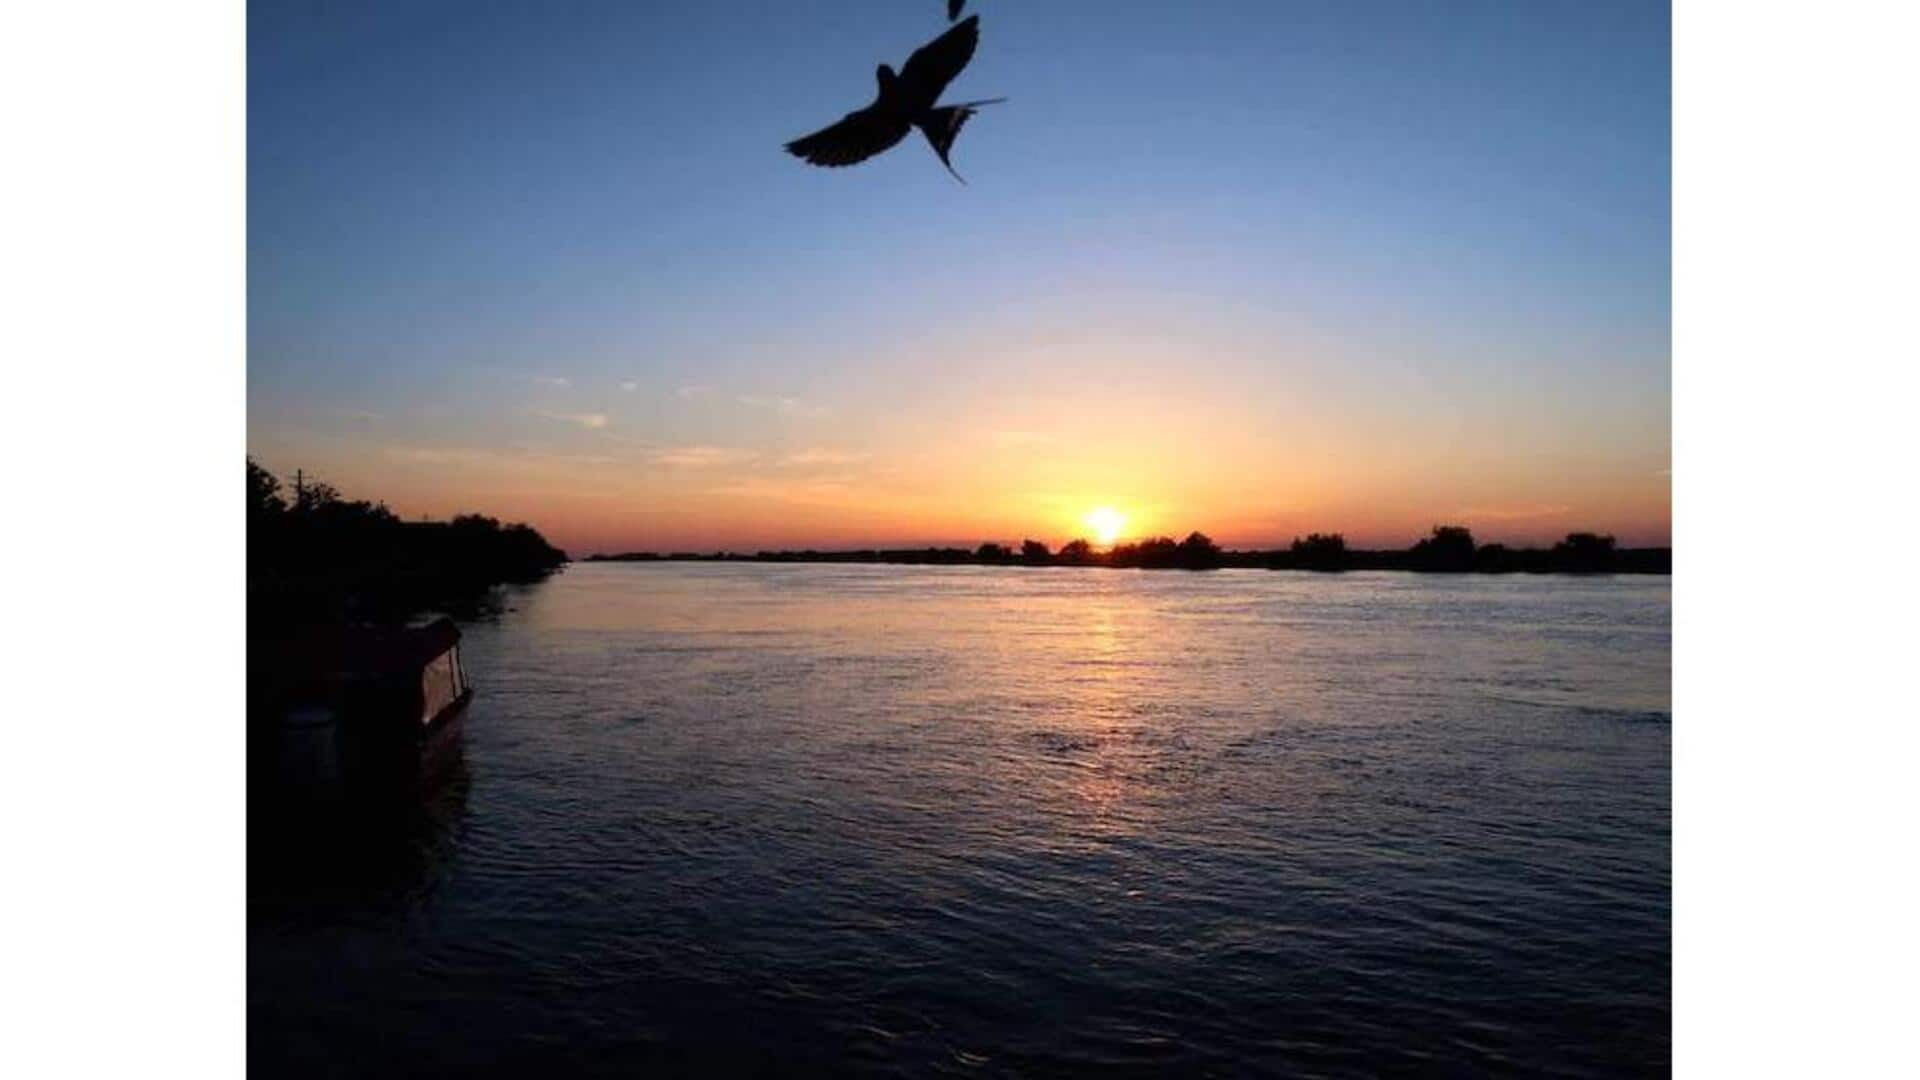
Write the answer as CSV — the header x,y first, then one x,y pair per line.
x,y
1107,524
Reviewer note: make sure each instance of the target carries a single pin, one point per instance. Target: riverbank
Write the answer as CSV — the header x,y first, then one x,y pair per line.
x,y
317,557
1450,549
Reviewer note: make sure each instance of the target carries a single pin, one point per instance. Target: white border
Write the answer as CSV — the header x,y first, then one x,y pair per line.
x,y
122,780
1795,737
1796,750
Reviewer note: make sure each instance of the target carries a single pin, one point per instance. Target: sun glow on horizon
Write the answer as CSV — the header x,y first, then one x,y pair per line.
x,y
1108,525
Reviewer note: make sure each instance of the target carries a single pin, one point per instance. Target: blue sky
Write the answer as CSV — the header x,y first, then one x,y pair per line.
x,y
1406,260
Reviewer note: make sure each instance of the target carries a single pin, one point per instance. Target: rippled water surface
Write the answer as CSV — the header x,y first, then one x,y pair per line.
x,y
999,821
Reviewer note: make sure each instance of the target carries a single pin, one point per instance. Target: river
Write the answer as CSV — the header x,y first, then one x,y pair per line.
x,y
719,818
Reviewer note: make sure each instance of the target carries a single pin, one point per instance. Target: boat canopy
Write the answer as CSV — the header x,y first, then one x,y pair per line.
x,y
315,663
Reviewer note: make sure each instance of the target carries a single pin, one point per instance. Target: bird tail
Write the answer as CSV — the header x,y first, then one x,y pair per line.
x,y
942,126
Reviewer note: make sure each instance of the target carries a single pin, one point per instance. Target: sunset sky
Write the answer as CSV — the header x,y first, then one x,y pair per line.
x,y
1255,268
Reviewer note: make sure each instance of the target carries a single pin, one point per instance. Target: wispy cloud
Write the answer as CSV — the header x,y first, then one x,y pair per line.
x,y
557,381
592,421
434,455
1513,513
702,457
785,406
694,391
630,385
819,491
821,455
513,457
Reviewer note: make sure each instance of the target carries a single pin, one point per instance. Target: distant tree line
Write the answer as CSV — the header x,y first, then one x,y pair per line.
x,y
315,556
1451,549
1448,549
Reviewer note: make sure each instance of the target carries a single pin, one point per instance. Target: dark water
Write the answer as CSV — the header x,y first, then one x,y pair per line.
x,y
793,819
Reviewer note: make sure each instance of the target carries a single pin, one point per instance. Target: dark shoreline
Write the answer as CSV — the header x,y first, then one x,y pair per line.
x,y
317,558
1655,561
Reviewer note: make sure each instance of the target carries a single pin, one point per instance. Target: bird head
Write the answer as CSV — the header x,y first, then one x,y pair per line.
x,y
886,76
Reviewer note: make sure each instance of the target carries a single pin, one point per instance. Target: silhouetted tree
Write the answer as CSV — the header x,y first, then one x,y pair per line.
x,y
314,495
1450,548
1584,552
1495,559
1034,553
992,553
263,491
1154,554
1320,551
1198,552
1075,553
327,558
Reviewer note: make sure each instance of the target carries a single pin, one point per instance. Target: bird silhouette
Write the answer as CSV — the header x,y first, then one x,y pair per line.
x,y
905,101
953,9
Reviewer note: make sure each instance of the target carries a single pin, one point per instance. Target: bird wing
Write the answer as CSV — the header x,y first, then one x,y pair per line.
x,y
932,66
953,9
857,137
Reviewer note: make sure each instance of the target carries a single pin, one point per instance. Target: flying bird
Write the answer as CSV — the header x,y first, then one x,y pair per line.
x,y
953,9
906,100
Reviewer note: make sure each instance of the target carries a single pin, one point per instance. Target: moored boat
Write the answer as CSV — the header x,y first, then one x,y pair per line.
x,y
350,712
